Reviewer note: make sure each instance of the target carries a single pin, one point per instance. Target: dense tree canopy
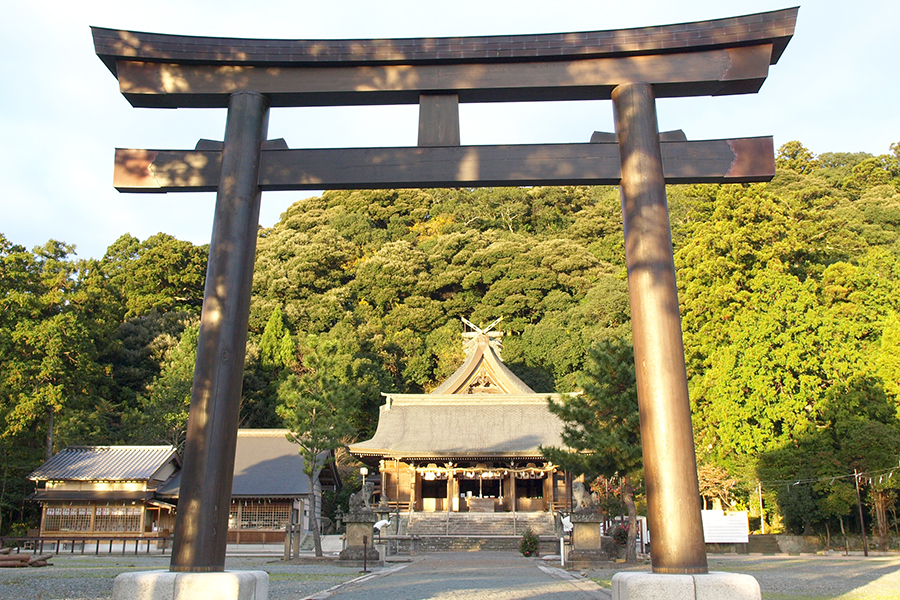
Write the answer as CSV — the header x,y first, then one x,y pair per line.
x,y
788,291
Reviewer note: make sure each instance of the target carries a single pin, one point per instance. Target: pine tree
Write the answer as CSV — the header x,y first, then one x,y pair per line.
x,y
316,408
601,427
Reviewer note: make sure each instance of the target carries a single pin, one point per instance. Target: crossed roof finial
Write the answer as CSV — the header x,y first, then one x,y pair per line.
x,y
471,337
479,330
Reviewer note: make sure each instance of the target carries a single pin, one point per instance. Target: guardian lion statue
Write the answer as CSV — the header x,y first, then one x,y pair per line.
x,y
582,500
361,501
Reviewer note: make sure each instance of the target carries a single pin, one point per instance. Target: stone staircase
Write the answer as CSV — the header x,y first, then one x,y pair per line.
x,y
480,525
307,542
469,544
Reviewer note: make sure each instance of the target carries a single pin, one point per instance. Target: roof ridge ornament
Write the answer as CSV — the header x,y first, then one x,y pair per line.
x,y
482,335
479,329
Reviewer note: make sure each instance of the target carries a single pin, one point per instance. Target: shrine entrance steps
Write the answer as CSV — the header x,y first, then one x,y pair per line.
x,y
480,524
479,531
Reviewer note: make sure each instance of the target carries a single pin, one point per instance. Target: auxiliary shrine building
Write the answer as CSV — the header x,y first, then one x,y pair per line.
x,y
131,492
471,445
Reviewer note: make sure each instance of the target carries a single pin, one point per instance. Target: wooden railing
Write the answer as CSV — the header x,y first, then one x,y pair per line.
x,y
401,506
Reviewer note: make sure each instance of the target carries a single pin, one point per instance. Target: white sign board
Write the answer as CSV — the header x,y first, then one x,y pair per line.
x,y
720,527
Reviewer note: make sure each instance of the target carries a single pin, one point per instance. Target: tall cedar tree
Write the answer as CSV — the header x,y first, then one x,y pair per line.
x,y
316,407
602,426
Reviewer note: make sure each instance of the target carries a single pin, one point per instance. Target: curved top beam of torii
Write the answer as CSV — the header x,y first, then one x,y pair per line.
x,y
722,56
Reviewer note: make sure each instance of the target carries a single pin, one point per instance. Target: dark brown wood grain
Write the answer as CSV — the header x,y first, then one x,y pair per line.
x,y
775,27
708,72
712,161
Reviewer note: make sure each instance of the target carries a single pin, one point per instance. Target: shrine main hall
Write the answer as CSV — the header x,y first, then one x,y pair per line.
x,y
472,444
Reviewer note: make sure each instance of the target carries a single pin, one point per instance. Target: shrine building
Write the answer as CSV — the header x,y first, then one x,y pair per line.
x,y
132,492
472,444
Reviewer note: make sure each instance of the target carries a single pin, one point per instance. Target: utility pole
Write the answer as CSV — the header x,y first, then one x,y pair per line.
x,y
762,514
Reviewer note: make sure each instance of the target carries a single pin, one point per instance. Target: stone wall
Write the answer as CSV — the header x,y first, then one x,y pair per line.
x,y
727,548
805,544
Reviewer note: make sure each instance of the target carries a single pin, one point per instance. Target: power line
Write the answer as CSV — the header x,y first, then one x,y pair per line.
x,y
862,476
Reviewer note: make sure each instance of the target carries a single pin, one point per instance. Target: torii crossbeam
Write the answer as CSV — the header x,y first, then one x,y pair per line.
x,y
632,67
713,161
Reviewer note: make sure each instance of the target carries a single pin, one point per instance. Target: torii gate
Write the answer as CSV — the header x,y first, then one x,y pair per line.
x,y
630,66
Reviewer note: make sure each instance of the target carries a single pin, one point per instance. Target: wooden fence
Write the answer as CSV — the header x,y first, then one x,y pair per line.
x,y
88,544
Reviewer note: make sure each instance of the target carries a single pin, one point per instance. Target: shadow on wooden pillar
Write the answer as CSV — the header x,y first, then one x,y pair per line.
x,y
201,527
667,440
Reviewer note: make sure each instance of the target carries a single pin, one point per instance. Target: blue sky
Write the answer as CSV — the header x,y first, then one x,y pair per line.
x,y
61,116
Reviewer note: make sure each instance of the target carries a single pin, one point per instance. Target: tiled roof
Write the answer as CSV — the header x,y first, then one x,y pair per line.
x,y
266,461
463,425
105,463
266,464
776,27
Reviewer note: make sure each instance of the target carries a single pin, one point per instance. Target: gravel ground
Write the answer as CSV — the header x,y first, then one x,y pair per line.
x,y
91,577
469,575
805,577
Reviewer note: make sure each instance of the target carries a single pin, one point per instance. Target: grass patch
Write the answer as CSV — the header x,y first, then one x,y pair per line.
x,y
82,574
337,577
849,596
796,597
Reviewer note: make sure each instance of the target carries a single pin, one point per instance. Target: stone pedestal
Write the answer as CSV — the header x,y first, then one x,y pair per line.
x,y
360,525
166,585
710,586
588,543
383,512
382,508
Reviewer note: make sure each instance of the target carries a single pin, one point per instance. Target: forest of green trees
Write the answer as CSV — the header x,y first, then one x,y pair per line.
x,y
789,293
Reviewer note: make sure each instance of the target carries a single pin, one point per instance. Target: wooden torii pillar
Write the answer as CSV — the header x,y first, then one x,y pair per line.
x,y
632,67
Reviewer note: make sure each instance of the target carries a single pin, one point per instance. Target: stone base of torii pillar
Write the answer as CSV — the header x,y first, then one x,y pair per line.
x,y
169,585
707,586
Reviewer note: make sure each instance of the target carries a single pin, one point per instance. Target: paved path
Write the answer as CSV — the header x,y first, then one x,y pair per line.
x,y
472,576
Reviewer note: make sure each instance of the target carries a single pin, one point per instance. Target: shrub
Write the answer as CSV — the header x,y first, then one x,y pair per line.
x,y
529,544
620,535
